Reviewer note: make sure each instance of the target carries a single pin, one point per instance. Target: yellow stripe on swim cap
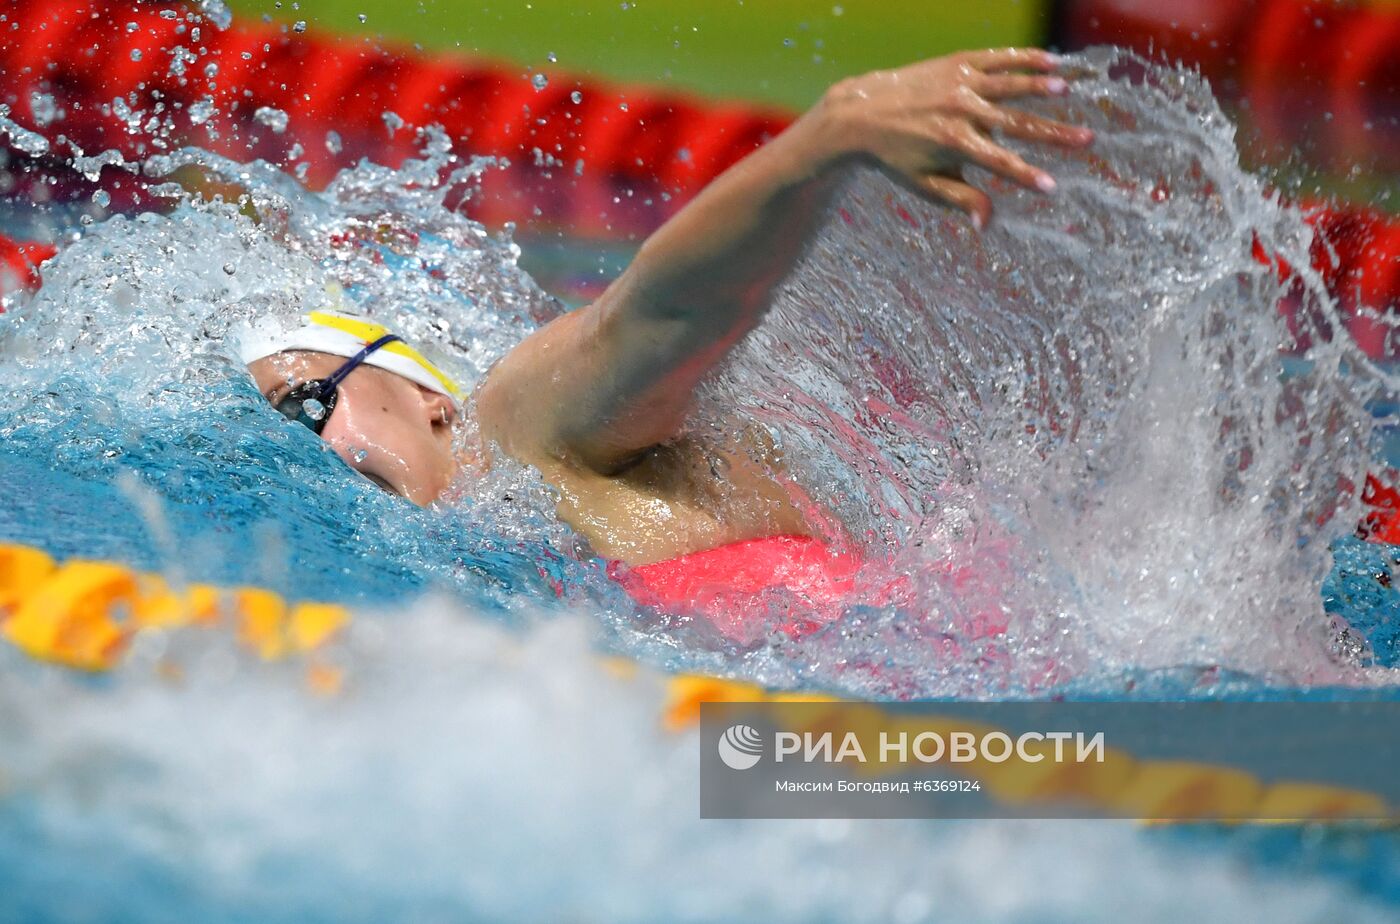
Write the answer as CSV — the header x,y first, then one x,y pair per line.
x,y
368,331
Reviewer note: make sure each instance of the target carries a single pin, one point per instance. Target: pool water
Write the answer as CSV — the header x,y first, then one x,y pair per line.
x,y
1086,406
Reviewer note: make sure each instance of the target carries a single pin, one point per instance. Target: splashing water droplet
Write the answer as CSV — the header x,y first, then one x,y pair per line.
x,y
299,26
200,111
273,118
576,96
24,140
91,167
217,12
43,108
539,81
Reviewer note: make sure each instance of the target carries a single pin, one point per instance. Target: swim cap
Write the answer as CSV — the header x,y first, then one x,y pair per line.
x,y
342,333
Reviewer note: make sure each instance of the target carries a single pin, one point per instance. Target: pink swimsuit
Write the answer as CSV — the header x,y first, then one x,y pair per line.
x,y
736,585
733,585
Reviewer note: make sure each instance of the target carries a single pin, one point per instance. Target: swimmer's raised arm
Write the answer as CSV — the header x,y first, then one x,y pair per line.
x,y
603,384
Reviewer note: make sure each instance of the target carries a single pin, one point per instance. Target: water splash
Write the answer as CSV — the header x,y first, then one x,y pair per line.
x,y
1068,445
122,363
1089,401
1070,435
23,140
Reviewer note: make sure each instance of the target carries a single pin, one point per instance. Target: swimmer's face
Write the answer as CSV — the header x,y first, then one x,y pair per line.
x,y
389,429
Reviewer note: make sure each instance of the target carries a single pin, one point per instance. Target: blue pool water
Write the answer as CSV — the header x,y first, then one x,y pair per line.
x,y
1086,403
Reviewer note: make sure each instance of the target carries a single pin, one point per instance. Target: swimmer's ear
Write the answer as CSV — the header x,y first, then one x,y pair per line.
x,y
441,410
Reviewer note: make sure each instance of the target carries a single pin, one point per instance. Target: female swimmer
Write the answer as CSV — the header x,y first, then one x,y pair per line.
x,y
596,399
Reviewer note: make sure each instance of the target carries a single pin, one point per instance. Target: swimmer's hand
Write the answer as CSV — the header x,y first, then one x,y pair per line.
x,y
599,387
923,123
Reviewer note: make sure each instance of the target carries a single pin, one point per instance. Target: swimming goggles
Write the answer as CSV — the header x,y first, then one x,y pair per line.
x,y
311,402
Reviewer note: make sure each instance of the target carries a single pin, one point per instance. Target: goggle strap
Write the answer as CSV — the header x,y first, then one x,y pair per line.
x,y
339,375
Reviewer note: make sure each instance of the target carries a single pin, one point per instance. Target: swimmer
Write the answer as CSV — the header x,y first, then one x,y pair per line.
x,y
596,399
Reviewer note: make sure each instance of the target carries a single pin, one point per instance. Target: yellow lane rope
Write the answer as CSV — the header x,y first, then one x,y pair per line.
x,y
84,614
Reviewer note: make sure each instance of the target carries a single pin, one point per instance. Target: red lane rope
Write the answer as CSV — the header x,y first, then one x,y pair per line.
x,y
1289,62
86,53
99,70
1318,76
101,60
1357,253
90,53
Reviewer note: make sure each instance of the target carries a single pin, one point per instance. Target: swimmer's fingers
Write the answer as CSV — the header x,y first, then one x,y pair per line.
x,y
1009,86
1023,125
985,152
1029,127
1012,59
973,201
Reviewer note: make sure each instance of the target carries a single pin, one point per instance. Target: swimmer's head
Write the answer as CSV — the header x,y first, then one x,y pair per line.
x,y
380,404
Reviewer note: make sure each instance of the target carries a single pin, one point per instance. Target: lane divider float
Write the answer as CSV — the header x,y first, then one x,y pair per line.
x,y
84,614
117,58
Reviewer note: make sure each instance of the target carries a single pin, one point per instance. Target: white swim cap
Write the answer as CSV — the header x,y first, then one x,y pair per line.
x,y
341,333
